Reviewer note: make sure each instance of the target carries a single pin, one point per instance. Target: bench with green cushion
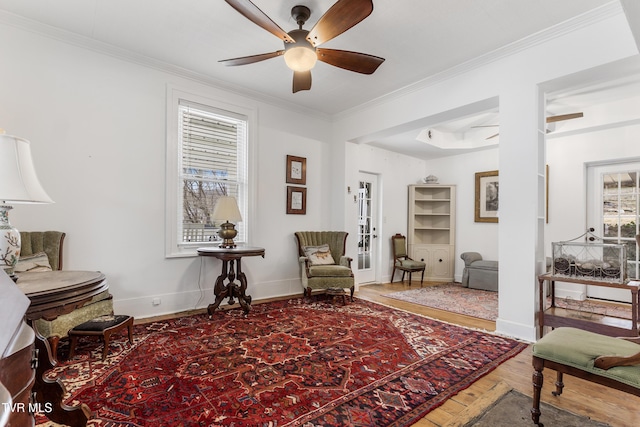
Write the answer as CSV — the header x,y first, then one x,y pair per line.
x,y
577,353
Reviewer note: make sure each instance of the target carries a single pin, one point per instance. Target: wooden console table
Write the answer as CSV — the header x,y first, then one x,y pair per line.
x,y
232,289
53,294
606,325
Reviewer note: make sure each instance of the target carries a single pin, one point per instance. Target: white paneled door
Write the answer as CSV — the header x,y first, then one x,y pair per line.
x,y
368,242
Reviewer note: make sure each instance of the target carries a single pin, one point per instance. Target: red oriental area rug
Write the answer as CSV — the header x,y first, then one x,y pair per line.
x,y
286,363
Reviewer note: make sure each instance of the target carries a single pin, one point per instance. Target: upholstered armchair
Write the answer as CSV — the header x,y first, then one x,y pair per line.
x,y
42,251
323,264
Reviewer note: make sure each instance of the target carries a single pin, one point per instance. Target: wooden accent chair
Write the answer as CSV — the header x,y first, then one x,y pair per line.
x,y
35,244
612,362
401,260
323,263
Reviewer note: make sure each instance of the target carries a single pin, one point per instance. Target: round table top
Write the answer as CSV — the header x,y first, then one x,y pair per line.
x,y
238,251
53,293
35,284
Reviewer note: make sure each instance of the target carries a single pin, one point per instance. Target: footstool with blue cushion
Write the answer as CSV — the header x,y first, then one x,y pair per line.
x,y
103,327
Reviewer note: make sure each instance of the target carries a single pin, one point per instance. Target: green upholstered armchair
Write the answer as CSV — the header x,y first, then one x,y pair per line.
x,y
323,264
35,243
49,242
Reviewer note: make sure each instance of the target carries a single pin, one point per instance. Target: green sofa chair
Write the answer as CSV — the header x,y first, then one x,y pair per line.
x,y
323,263
35,244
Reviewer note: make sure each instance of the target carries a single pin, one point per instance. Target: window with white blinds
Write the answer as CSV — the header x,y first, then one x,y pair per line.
x,y
212,163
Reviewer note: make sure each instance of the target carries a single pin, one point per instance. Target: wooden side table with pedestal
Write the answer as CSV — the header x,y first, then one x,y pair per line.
x,y
231,290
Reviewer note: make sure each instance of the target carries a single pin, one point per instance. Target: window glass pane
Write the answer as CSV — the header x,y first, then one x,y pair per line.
x,y
212,163
620,215
364,229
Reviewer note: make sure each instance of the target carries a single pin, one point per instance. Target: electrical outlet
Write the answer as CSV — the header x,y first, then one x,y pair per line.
x,y
156,301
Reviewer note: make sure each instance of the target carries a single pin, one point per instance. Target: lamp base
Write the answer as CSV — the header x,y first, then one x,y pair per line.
x,y
227,232
9,242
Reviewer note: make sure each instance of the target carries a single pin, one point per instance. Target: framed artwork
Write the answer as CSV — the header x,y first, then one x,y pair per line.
x,y
296,170
296,200
487,187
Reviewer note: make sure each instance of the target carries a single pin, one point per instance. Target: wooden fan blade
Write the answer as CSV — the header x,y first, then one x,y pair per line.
x,y
244,60
553,119
301,80
352,61
492,136
343,15
258,17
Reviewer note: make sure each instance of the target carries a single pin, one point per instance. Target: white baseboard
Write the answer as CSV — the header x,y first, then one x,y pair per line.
x,y
516,330
171,303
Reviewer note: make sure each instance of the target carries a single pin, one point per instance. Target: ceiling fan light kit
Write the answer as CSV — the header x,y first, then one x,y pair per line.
x,y
300,53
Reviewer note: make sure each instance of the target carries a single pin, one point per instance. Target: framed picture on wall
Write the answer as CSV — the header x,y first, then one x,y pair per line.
x,y
296,170
486,206
296,200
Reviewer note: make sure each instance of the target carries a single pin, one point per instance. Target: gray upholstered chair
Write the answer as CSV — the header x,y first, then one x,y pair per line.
x,y
34,245
401,260
479,273
322,259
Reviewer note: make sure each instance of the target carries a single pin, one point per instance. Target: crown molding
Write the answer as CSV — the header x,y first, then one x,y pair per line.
x,y
609,10
68,37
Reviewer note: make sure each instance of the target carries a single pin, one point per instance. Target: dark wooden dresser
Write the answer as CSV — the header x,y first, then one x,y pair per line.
x,y
17,376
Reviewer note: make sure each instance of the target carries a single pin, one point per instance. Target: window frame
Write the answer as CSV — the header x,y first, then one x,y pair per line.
x,y
174,247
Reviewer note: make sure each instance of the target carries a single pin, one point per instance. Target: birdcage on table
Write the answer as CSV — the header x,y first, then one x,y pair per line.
x,y
590,260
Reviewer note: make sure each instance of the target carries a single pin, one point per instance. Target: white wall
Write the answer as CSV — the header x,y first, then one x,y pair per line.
x,y
97,128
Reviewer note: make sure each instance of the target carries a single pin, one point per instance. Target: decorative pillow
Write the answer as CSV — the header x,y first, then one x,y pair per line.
x,y
36,262
319,255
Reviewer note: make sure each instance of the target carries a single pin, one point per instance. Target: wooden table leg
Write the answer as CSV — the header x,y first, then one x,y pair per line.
x,y
232,289
243,298
220,290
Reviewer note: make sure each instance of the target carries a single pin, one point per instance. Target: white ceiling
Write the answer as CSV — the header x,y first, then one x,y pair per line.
x,y
420,39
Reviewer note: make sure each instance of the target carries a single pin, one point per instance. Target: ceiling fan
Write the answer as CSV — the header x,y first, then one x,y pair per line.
x,y
301,49
550,119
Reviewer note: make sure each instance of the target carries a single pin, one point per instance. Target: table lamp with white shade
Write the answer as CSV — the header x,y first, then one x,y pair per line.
x,y
18,184
226,209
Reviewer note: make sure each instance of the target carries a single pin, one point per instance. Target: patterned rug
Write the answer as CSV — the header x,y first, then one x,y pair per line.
x,y
455,298
286,363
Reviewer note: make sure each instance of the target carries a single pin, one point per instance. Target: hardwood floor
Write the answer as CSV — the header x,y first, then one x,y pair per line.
x,y
581,397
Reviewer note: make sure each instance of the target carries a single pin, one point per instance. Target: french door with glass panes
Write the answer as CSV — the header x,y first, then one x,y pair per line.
x,y
367,228
613,211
